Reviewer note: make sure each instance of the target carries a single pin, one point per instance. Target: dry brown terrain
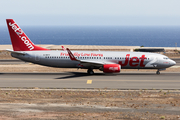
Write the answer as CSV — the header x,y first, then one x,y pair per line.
x,y
89,104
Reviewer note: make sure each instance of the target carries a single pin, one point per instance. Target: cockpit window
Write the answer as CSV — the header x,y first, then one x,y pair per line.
x,y
165,58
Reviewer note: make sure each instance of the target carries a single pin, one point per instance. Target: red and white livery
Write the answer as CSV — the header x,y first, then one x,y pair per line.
x,y
106,61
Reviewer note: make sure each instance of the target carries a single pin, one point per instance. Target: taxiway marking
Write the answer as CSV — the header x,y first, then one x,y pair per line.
x,y
89,81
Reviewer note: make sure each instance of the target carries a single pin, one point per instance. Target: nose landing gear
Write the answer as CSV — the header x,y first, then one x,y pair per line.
x,y
157,72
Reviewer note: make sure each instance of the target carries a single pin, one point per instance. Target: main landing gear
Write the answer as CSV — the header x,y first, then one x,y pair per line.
x,y
90,71
157,72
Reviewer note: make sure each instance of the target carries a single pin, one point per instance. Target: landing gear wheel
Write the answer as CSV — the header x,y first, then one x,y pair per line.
x,y
90,71
158,72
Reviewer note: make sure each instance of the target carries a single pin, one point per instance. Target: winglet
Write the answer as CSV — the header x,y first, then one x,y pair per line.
x,y
71,55
64,49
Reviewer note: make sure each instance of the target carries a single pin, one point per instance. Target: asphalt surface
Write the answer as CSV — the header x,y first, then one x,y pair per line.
x,y
82,80
177,60
99,80
11,61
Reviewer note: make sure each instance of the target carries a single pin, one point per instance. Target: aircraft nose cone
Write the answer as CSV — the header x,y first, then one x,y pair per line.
x,y
172,62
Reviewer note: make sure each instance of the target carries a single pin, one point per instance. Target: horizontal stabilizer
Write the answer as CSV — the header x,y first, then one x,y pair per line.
x,y
17,52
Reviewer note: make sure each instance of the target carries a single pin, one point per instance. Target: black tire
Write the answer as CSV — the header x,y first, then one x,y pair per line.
x,y
90,72
157,72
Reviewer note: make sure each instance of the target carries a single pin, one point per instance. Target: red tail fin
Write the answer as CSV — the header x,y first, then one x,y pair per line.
x,y
20,41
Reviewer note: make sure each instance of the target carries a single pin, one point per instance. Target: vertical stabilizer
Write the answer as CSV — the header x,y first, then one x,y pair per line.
x,y
20,41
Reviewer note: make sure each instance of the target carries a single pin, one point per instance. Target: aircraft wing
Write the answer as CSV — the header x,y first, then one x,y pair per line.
x,y
87,61
95,62
17,52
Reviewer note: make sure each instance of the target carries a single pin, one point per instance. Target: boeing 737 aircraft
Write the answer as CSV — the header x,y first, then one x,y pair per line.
x,y
106,61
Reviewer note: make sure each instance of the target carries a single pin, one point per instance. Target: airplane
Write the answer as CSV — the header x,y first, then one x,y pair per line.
x,y
106,61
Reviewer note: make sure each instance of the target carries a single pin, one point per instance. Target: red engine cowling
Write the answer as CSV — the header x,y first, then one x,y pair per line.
x,y
111,68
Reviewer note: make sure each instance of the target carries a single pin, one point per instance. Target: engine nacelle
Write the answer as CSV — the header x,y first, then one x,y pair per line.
x,y
111,68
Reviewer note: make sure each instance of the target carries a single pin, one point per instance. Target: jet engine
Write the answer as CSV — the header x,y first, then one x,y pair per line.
x,y
111,68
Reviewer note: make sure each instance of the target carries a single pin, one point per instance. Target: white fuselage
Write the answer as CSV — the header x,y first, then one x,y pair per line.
x,y
127,60
106,61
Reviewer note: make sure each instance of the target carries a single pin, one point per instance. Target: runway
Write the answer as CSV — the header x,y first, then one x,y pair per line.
x,y
148,80
11,61
177,60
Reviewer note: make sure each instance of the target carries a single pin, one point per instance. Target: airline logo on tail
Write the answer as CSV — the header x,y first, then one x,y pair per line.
x,y
16,29
19,32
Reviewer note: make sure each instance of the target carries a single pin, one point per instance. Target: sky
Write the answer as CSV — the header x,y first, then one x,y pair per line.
x,y
91,12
